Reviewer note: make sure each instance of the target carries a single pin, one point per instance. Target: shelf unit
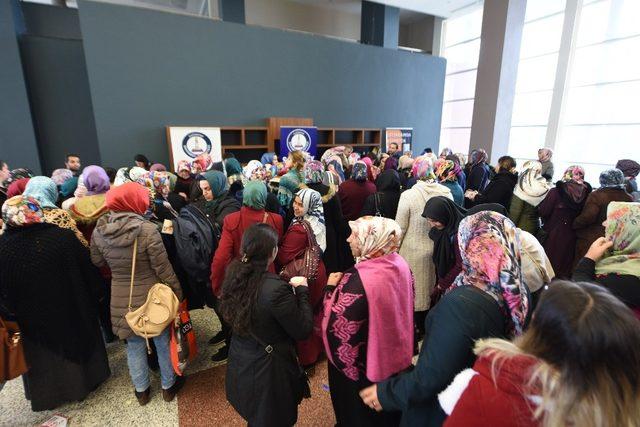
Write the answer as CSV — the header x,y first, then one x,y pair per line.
x,y
247,142
361,139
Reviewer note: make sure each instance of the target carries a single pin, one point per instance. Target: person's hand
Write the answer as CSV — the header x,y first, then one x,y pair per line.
x,y
298,281
598,249
334,279
369,396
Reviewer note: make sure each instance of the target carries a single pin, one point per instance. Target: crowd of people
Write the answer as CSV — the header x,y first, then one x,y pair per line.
x,y
524,293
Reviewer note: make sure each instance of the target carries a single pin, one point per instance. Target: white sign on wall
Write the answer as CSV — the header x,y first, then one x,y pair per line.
x,y
187,143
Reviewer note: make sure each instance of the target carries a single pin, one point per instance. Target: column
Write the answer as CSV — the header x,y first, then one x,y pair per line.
x,y
379,25
232,11
502,23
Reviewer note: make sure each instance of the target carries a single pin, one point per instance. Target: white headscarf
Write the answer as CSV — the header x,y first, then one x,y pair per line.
x,y
532,187
314,214
248,170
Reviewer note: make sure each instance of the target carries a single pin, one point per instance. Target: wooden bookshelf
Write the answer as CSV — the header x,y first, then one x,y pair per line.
x,y
247,142
361,139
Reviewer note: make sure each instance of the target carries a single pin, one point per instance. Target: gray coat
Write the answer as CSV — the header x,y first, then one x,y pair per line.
x,y
112,244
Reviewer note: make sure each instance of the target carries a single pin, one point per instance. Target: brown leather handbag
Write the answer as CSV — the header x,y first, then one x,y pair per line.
x,y
306,263
12,361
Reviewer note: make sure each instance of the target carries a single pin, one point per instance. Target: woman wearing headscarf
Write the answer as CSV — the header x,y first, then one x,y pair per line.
x,y
60,176
557,211
115,238
337,248
216,202
354,192
166,204
48,284
477,171
334,175
158,167
201,163
500,188
235,177
287,188
16,188
462,177
87,210
233,228
588,224
367,327
630,169
45,191
614,260
390,164
384,202
68,188
488,299
309,216
530,191
184,180
405,163
416,246
544,156
444,216
372,170
447,173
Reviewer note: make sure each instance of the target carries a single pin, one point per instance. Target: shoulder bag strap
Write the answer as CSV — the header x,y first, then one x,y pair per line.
x,y
133,270
266,216
270,349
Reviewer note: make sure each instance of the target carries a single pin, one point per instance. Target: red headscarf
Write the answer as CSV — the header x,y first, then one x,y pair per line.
x,y
17,187
128,197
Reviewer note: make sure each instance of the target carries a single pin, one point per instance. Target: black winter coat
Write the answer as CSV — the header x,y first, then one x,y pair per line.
x,y
263,387
624,286
499,190
451,328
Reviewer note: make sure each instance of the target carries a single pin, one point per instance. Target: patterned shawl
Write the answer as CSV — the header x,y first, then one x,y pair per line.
x,y
44,190
313,172
532,187
623,229
422,169
21,211
490,249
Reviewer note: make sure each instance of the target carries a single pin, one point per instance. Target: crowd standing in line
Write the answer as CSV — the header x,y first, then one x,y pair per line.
x,y
355,259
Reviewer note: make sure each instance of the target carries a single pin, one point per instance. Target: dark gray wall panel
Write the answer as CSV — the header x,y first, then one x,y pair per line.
x,y
148,69
60,99
17,139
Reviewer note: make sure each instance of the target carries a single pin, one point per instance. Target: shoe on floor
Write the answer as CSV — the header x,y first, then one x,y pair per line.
x,y
221,355
171,392
217,338
143,396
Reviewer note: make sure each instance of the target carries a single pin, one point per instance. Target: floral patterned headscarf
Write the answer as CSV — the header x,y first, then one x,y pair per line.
x,y
423,169
490,251
254,171
446,170
405,162
60,176
574,173
161,182
202,163
20,211
375,236
623,229
313,172
359,172
44,190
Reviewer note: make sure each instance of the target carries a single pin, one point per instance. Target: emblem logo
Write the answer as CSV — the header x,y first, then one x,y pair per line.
x,y
196,143
299,139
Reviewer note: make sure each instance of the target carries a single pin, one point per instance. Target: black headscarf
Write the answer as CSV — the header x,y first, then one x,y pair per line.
x,y
495,207
388,184
445,211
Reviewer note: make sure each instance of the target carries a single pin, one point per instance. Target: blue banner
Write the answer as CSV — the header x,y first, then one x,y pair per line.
x,y
293,138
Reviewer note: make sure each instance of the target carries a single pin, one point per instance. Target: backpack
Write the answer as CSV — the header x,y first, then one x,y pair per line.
x,y
196,242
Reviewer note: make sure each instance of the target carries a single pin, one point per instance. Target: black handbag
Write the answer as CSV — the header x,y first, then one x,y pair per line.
x,y
301,374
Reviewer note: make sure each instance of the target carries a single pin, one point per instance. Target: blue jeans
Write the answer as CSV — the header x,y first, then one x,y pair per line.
x,y
137,361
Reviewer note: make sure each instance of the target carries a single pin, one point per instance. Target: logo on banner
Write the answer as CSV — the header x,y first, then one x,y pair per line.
x,y
299,140
196,143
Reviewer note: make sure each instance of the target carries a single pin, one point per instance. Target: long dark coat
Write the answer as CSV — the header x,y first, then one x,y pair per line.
x,y
263,387
47,282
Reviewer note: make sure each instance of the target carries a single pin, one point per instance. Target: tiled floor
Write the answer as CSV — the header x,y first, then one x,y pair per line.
x,y
201,403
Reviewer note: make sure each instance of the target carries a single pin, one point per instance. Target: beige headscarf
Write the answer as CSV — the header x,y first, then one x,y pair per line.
x,y
376,236
532,187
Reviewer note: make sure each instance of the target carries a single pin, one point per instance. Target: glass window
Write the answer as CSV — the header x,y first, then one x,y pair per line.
x,y
537,73
537,9
461,41
541,36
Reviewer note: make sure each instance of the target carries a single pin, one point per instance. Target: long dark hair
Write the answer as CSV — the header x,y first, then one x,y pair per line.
x,y
589,346
244,276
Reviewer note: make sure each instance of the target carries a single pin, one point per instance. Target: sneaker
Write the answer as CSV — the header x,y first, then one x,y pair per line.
x,y
217,338
221,355
171,392
143,396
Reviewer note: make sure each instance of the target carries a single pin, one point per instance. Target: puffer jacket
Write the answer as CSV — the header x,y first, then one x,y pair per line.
x,y
112,244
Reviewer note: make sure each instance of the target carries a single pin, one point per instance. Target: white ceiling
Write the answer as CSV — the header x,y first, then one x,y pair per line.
x,y
442,8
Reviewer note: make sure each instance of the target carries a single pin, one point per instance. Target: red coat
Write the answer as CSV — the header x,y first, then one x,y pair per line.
x,y
295,241
229,245
499,403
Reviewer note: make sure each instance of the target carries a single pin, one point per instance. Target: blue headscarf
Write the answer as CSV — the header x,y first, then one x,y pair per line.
x,y
338,168
217,181
267,158
44,190
69,186
286,189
